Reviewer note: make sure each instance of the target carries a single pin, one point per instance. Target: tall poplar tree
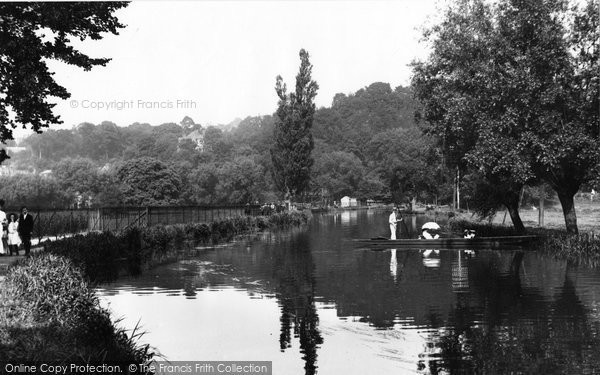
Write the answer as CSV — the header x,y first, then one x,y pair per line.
x,y
292,136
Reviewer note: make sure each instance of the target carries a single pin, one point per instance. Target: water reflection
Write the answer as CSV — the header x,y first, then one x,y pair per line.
x,y
294,271
394,265
431,258
311,302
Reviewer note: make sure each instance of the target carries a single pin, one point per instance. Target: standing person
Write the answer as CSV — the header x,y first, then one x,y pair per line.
x,y
393,220
25,228
3,222
13,235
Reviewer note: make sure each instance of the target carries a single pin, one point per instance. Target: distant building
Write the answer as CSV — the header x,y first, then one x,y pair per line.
x,y
10,171
197,136
46,173
348,202
15,149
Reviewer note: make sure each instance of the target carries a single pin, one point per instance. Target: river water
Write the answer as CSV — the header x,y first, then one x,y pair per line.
x,y
311,301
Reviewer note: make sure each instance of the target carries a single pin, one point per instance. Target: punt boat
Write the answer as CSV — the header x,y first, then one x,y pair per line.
x,y
451,243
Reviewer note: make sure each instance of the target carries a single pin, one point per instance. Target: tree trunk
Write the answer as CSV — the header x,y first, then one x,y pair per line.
x,y
541,213
457,188
568,206
454,193
513,211
515,264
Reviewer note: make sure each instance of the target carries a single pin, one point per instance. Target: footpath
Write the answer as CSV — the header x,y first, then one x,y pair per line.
x,y
7,260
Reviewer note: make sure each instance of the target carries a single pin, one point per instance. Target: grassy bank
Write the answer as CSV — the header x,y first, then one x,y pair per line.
x,y
581,249
49,312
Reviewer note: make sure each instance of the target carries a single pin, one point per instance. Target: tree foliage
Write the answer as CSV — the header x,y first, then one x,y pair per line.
x,y
292,137
30,34
509,89
148,182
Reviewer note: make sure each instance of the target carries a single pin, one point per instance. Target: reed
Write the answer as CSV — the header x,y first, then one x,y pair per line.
x,y
49,313
578,249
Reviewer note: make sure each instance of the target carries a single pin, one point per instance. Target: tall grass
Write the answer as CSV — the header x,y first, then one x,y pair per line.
x,y
48,312
581,249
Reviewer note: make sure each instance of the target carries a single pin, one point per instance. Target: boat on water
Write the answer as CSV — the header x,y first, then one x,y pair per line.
x,y
451,243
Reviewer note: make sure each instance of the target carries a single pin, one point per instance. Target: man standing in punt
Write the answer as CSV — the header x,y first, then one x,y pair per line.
x,y
25,228
393,220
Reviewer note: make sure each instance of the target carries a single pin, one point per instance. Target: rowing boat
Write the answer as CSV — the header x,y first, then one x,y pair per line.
x,y
452,243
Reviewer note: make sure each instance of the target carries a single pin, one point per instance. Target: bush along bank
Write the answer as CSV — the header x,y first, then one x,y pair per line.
x,y
578,249
49,314
102,256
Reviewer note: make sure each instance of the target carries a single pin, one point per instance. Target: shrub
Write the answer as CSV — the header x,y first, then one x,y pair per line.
x,y
63,318
96,254
101,256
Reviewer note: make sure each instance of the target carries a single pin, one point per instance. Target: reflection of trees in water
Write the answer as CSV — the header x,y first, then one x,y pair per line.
x,y
524,332
293,270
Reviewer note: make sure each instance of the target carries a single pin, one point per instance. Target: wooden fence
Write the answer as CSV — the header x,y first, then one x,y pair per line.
x,y
60,222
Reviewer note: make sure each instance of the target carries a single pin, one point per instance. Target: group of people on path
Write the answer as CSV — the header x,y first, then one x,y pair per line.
x,y
15,231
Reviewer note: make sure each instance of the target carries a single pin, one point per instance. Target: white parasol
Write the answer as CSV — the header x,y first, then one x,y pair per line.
x,y
431,225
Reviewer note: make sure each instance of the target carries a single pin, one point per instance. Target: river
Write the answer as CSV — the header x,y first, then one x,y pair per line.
x,y
311,301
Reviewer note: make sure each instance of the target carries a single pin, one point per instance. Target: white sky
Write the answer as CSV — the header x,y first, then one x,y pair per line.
x,y
223,57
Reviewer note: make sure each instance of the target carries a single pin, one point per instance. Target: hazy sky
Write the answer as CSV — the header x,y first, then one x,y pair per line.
x,y
215,61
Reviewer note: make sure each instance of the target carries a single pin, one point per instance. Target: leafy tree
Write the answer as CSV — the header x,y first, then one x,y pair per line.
x,y
339,173
525,105
77,176
255,132
31,33
292,137
354,119
33,191
214,142
240,181
203,182
148,181
47,148
401,157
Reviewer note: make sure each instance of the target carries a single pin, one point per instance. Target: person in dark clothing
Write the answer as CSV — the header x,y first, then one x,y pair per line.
x,y
25,228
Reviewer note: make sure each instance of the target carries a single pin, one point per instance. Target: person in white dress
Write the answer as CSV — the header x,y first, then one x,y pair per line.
x,y
13,235
393,220
3,251
425,234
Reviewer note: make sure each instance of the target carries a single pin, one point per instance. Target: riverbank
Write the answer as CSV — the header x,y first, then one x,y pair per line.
x,y
588,217
48,309
578,249
49,313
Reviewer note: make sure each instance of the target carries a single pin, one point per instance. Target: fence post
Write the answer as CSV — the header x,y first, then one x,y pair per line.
x,y
38,226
